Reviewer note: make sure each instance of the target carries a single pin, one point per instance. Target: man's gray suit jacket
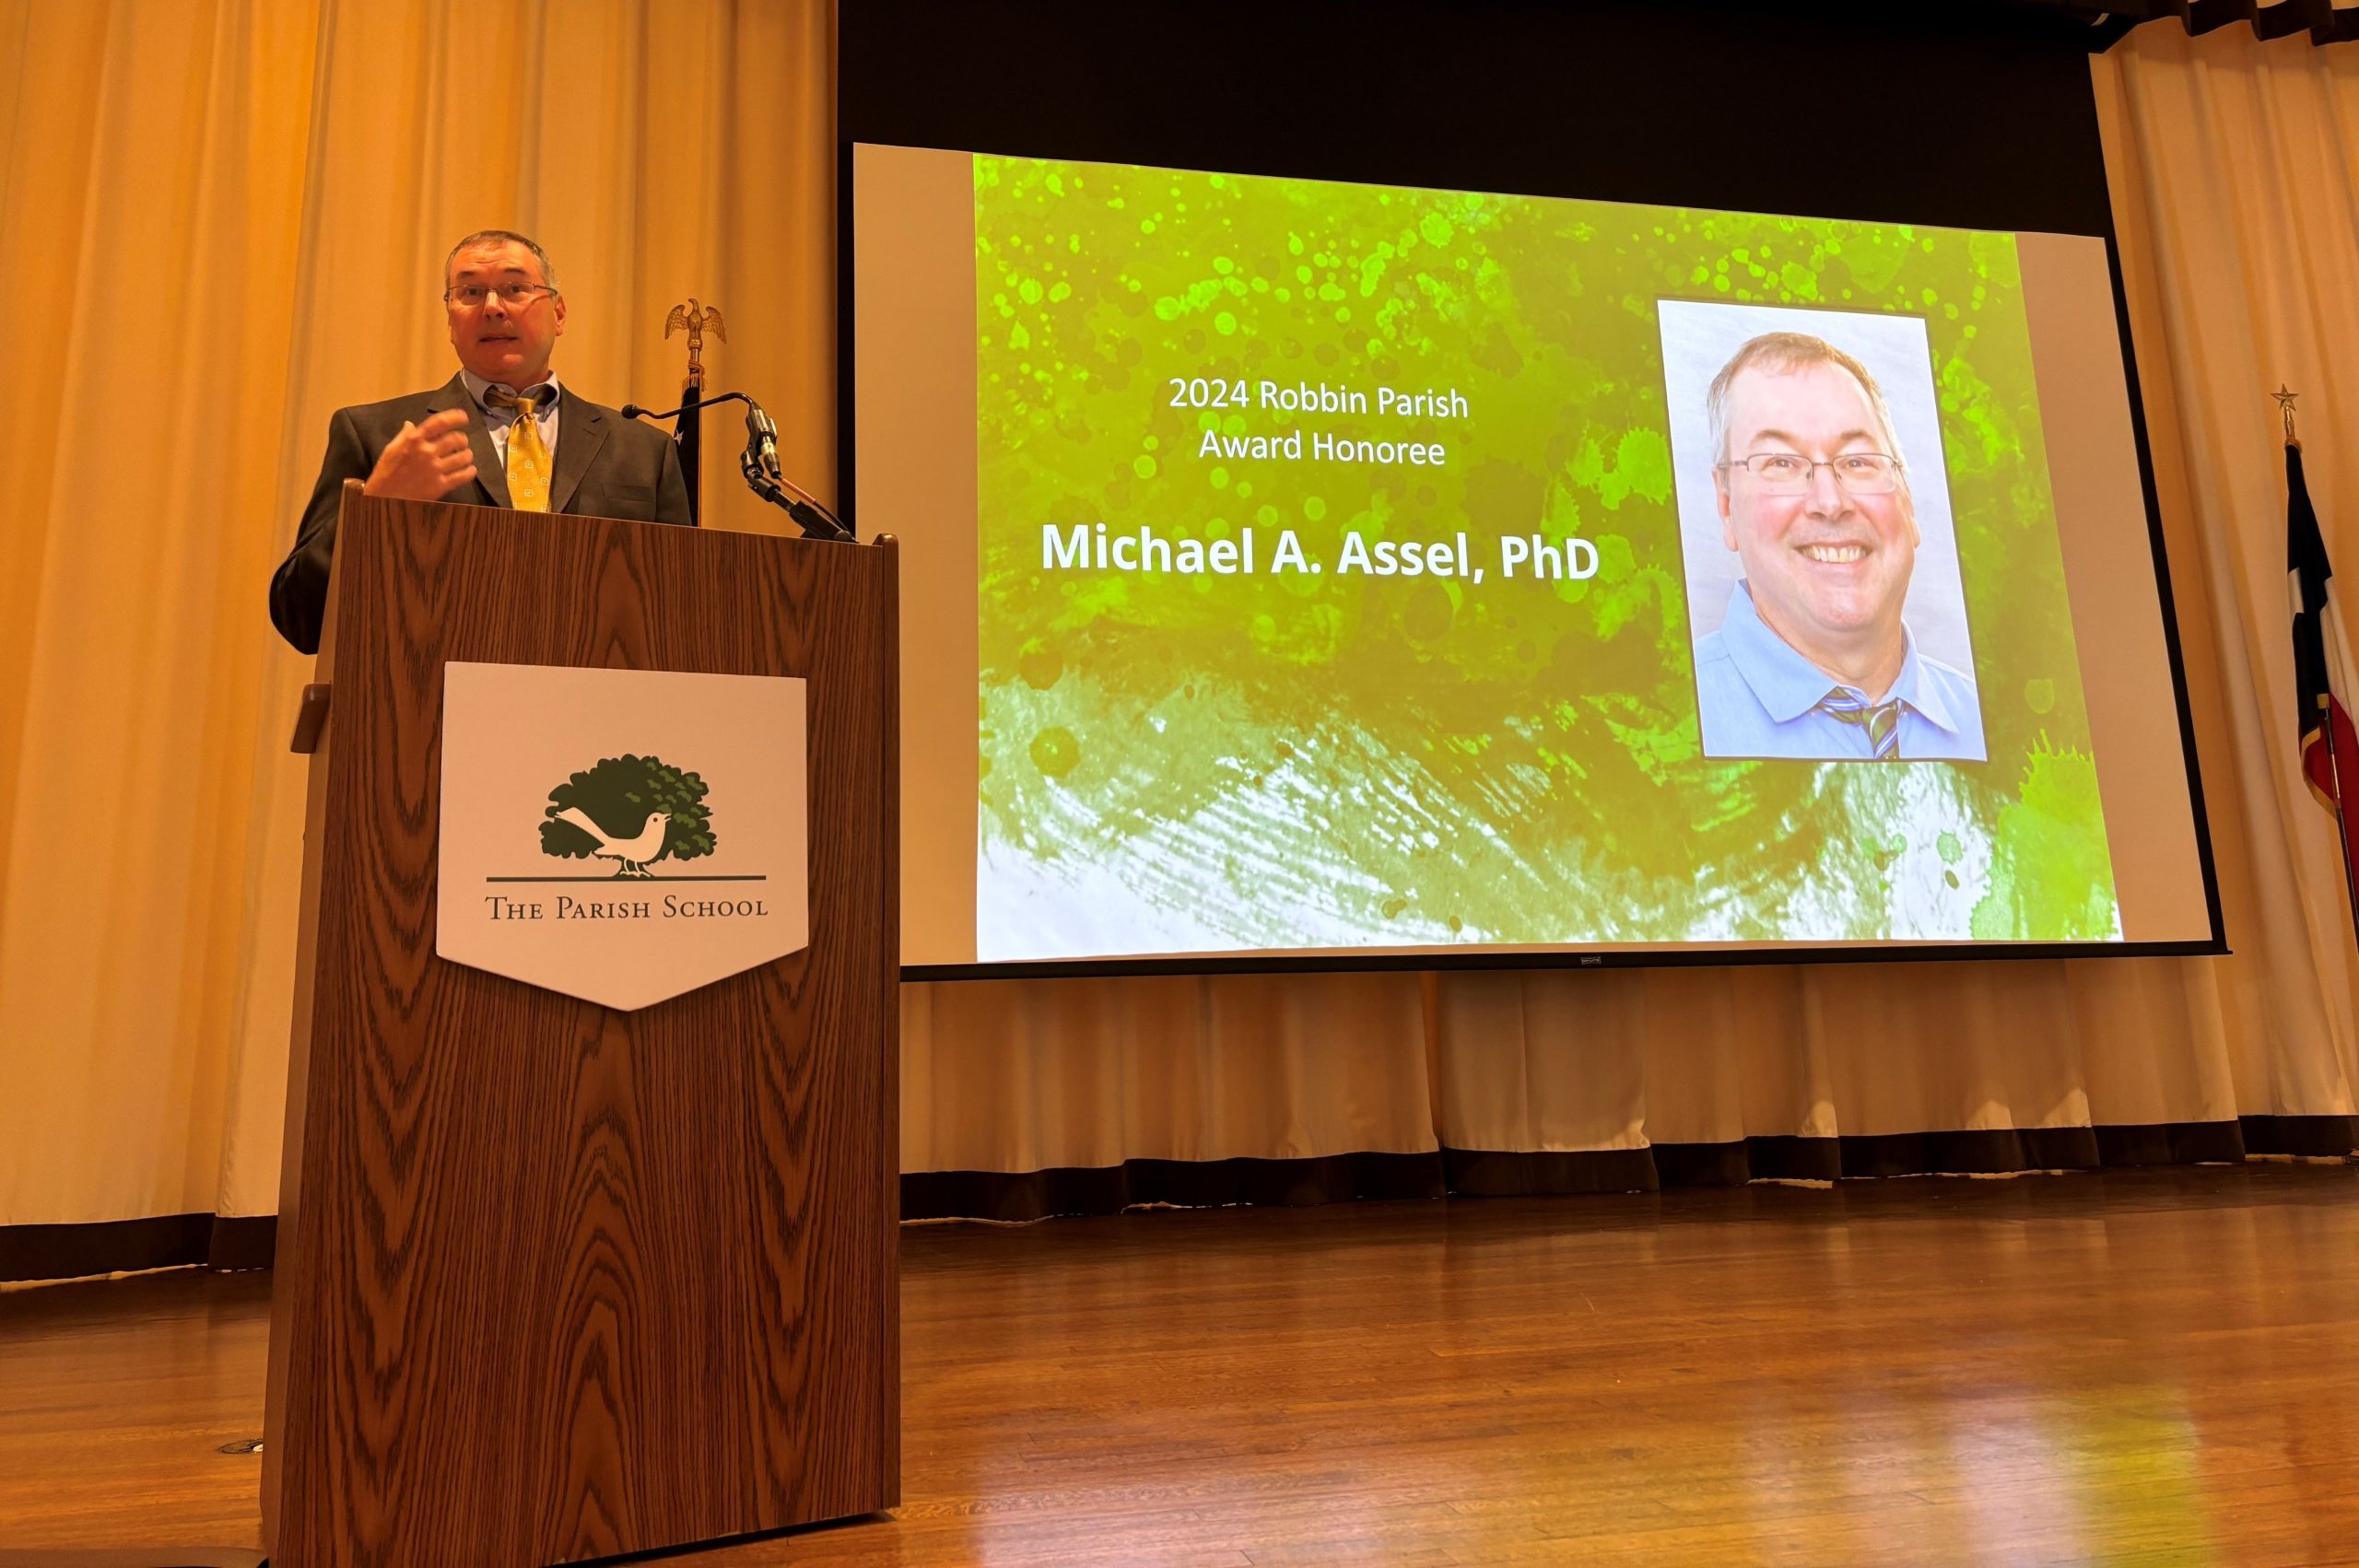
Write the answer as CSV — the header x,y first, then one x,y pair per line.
x,y
607,466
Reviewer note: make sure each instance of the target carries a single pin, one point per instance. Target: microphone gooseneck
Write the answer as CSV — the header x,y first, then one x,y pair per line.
x,y
761,466
633,411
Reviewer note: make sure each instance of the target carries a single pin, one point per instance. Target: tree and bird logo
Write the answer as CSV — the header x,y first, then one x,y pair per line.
x,y
633,810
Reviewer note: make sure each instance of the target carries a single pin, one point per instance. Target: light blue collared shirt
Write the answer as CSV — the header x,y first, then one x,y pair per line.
x,y
1756,696
497,419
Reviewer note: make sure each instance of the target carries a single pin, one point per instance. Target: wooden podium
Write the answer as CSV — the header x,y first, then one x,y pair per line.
x,y
556,1282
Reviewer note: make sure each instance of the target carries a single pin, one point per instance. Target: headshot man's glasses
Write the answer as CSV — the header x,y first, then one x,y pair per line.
x,y
469,296
1787,473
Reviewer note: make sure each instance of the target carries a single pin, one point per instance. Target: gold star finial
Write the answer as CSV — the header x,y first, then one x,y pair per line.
x,y
2284,401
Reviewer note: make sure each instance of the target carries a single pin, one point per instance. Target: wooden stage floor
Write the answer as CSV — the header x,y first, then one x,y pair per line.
x,y
2149,1366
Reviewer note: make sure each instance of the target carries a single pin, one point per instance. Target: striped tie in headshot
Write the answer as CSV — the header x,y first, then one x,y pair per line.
x,y
1880,721
528,456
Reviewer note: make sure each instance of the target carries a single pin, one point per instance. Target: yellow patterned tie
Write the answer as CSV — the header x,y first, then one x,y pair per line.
x,y
528,459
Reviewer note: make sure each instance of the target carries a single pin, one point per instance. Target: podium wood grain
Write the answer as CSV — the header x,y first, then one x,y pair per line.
x,y
556,1282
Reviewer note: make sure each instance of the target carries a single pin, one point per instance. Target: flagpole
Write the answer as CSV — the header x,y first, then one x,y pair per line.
x,y
698,320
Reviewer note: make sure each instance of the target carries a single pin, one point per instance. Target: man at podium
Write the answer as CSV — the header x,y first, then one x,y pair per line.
x,y
500,433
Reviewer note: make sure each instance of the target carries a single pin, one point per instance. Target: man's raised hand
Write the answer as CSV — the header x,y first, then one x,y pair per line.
x,y
425,462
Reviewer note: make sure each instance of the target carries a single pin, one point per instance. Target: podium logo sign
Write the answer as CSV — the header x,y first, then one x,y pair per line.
x,y
622,836
598,813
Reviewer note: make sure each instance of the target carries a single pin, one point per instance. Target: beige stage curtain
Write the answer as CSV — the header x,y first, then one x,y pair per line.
x,y
220,219
2235,169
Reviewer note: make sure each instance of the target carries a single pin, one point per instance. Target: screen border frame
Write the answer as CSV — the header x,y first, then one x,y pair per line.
x,y
1075,143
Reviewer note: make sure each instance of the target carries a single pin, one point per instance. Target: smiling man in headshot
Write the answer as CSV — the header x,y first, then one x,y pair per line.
x,y
500,433
1814,660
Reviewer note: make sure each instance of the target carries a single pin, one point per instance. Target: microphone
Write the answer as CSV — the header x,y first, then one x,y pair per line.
x,y
761,438
761,466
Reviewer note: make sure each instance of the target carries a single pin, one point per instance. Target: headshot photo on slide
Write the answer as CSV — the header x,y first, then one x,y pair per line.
x,y
1823,595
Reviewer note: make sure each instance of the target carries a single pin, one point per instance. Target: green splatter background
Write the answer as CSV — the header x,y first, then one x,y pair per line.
x,y
1197,764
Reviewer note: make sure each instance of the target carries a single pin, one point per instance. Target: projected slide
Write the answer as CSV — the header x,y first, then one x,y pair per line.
x,y
1367,568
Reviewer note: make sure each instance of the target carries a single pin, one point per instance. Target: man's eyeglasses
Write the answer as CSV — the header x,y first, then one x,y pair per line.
x,y
511,294
1789,474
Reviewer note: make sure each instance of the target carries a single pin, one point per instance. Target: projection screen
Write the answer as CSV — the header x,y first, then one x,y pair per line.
x,y
1296,571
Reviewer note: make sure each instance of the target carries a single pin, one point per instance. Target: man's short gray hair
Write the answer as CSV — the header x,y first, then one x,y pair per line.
x,y
502,237
1789,351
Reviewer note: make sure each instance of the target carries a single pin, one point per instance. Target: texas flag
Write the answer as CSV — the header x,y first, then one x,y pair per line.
x,y
2321,675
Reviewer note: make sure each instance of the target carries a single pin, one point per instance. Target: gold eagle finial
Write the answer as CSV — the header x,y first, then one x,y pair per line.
x,y
695,321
